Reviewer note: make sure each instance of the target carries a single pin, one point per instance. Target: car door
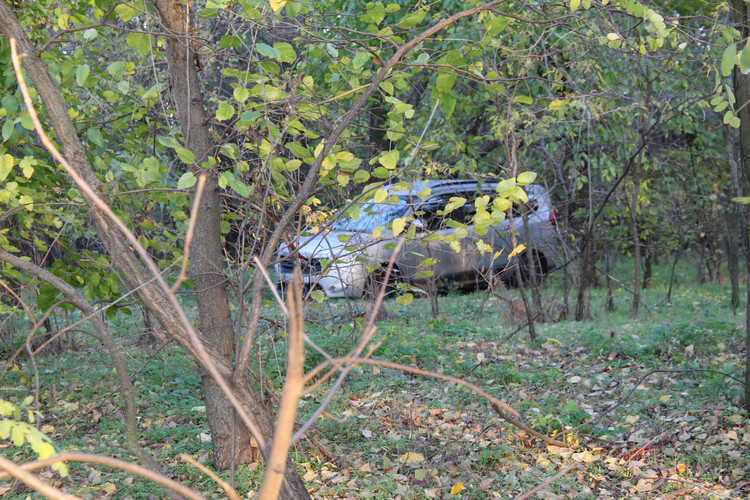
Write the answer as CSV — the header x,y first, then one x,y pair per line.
x,y
438,246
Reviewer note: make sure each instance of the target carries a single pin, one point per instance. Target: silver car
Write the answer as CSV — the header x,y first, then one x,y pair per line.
x,y
446,239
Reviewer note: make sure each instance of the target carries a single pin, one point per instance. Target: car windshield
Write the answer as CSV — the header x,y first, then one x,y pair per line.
x,y
372,215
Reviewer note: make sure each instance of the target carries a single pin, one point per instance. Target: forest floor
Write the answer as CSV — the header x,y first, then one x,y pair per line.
x,y
657,397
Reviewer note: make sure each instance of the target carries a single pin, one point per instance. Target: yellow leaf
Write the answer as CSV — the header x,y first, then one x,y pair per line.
x,y
520,248
457,488
411,457
398,226
380,196
586,456
277,5
46,451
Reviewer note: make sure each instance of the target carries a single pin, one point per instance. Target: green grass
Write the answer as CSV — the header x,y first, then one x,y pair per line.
x,y
689,422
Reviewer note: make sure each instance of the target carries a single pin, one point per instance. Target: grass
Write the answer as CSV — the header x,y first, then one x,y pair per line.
x,y
680,432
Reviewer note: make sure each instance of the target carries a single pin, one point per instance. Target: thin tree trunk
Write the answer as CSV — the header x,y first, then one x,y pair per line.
x,y
610,304
677,254
636,240
733,220
206,251
742,91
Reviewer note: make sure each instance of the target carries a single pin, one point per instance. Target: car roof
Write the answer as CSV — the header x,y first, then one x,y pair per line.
x,y
449,185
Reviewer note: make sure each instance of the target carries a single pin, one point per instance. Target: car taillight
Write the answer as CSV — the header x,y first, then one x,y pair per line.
x,y
553,218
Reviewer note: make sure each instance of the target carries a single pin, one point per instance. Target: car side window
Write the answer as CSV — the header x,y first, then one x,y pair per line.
x,y
432,214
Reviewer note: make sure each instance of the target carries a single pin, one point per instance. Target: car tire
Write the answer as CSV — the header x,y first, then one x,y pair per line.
x,y
537,267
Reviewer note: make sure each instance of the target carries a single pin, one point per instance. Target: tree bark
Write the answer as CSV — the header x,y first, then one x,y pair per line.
x,y
733,219
742,93
636,240
206,251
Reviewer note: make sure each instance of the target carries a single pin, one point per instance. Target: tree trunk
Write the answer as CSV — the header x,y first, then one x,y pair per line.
x,y
205,252
610,303
733,219
742,92
636,240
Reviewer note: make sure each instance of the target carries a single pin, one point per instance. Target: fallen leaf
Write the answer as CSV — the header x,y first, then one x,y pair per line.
x,y
586,457
457,488
411,457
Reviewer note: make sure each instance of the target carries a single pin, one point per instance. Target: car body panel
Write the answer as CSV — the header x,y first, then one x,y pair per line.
x,y
340,260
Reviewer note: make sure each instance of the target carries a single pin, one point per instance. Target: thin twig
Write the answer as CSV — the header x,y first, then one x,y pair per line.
x,y
190,232
32,481
546,483
291,392
68,456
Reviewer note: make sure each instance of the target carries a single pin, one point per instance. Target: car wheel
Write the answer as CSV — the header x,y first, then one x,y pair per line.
x,y
534,267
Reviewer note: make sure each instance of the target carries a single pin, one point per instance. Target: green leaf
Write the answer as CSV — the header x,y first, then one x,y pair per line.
x,y
360,176
82,73
361,59
526,178
405,299
389,160
447,104
187,180
6,165
139,43
524,99
574,4
267,50
95,136
727,60
185,155
241,94
410,20
17,434
225,111
168,142
286,52
445,81
496,25
318,296
125,12
745,200
9,127
506,187
745,59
